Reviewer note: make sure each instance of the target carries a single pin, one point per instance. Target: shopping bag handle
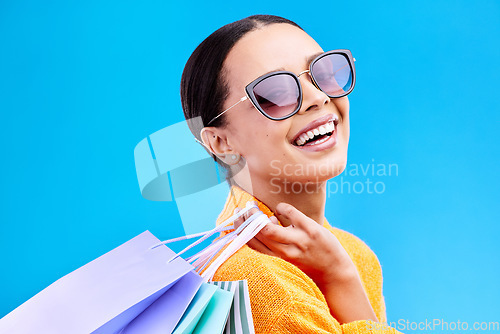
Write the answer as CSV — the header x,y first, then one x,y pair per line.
x,y
241,239
226,225
203,258
202,261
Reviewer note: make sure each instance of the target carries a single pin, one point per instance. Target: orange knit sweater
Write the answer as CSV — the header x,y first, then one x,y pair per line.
x,y
283,298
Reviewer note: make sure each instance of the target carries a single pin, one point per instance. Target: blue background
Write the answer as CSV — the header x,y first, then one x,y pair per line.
x,y
81,83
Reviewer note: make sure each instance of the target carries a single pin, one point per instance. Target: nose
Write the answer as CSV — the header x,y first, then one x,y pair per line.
x,y
312,97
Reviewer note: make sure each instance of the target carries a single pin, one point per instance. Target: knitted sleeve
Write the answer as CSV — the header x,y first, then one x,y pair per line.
x,y
297,319
367,327
368,266
284,299
308,312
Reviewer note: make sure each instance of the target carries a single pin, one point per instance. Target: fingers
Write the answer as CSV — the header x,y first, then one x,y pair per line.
x,y
274,239
260,247
290,216
274,220
276,233
240,220
271,233
237,223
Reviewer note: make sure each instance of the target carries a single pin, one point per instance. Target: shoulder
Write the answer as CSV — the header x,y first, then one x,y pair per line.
x,y
268,273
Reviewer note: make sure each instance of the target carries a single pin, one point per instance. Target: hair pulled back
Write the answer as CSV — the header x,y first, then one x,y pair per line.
x,y
203,86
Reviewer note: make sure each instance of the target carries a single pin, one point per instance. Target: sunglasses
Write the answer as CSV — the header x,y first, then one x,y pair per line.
x,y
278,95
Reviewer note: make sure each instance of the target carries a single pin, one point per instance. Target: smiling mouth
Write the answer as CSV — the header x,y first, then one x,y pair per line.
x,y
316,135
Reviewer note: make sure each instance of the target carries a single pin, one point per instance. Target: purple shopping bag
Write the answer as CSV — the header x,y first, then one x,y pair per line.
x,y
105,295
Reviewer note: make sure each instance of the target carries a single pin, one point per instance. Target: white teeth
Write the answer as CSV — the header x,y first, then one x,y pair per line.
x,y
302,139
320,130
320,141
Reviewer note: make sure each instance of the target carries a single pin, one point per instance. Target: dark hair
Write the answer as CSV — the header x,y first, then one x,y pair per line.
x,y
203,86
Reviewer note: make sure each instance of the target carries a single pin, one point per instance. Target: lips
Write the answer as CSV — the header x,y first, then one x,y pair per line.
x,y
316,132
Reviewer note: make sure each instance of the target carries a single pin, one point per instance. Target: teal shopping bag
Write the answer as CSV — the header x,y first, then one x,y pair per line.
x,y
240,319
214,318
209,313
195,310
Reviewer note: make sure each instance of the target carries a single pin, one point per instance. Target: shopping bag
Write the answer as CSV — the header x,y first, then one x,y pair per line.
x,y
232,317
162,316
208,311
240,319
214,318
105,295
195,310
237,315
216,311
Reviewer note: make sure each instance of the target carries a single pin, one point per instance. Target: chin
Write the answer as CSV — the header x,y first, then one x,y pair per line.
x,y
337,164
341,168
325,170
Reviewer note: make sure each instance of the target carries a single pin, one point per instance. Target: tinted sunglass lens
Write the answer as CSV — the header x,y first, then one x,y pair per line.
x,y
333,74
277,95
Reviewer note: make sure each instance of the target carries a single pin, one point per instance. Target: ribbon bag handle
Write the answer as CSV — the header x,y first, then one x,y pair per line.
x,y
202,261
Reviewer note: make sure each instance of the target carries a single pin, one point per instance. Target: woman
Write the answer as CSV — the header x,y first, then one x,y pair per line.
x,y
275,113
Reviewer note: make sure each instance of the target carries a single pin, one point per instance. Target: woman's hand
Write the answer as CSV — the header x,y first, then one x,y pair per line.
x,y
318,253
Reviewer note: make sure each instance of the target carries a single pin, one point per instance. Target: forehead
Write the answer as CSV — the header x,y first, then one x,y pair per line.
x,y
273,47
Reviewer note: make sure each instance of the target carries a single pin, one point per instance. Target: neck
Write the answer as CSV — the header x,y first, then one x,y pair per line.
x,y
309,198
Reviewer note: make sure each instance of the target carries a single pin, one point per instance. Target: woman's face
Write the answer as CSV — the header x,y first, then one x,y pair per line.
x,y
269,147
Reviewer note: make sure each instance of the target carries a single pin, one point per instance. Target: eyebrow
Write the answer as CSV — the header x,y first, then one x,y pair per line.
x,y
308,61
311,58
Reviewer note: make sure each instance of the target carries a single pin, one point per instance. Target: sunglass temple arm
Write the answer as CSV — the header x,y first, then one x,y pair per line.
x,y
222,113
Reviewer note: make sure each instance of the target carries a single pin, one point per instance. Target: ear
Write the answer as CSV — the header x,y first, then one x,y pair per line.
x,y
216,141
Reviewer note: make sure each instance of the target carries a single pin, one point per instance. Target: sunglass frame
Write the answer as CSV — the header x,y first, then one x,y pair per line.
x,y
250,87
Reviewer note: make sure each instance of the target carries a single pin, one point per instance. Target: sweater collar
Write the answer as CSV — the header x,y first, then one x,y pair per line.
x,y
238,198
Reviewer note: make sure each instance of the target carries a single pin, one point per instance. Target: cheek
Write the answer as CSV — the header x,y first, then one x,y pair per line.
x,y
257,137
342,105
266,146
345,129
